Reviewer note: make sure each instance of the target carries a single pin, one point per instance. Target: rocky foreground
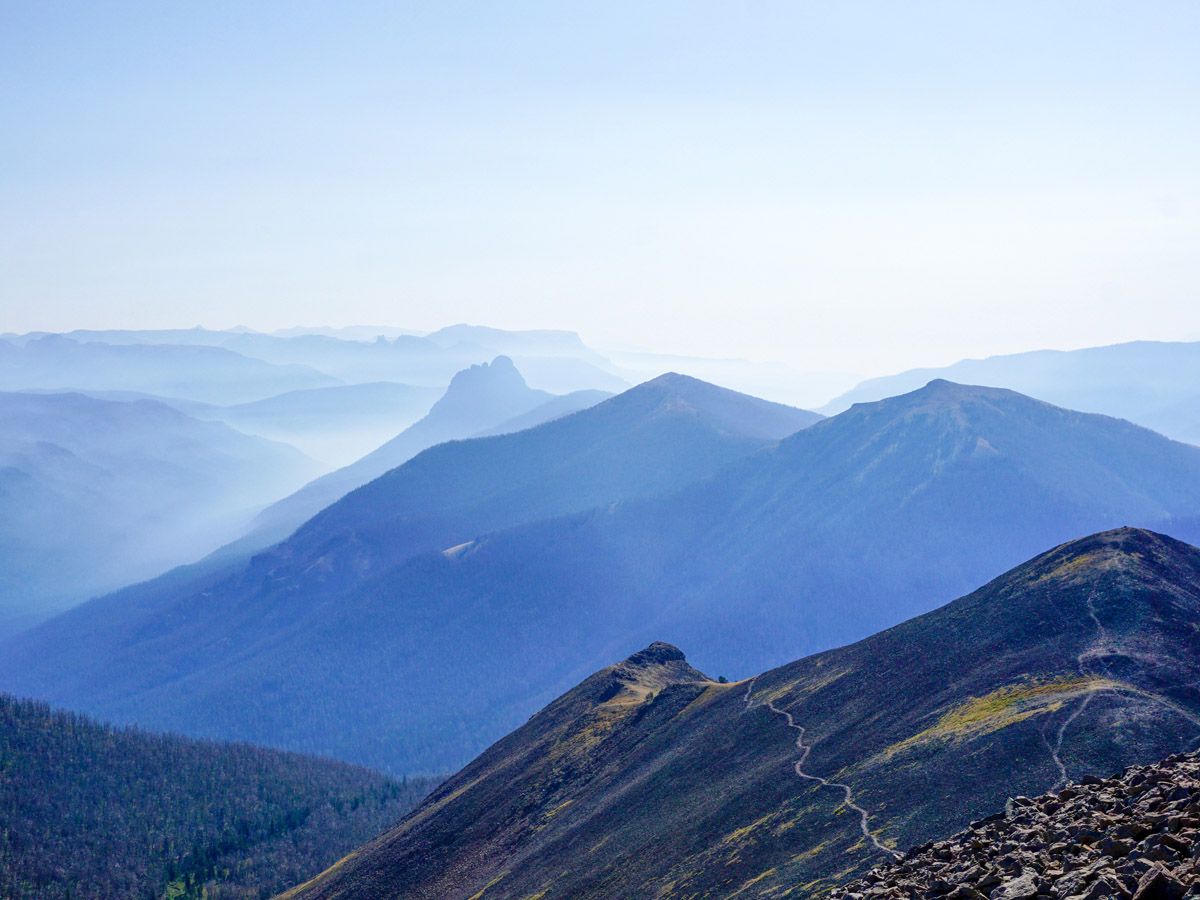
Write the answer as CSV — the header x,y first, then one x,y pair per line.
x,y
1136,835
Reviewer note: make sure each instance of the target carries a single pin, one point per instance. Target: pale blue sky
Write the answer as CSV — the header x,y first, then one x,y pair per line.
x,y
859,186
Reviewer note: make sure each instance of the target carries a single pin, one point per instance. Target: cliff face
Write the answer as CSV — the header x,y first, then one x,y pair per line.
x,y
1136,835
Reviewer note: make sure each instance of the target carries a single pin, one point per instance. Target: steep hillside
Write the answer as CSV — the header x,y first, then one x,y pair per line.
x,y
552,409
1133,835
478,398
654,438
842,529
1148,382
308,625
894,507
650,780
92,811
95,494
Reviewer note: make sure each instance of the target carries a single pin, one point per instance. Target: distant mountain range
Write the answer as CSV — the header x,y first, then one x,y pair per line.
x,y
209,374
495,573
651,779
844,528
93,811
653,438
336,425
556,361
307,622
481,398
165,525
502,526
543,342
1150,383
1156,384
95,494
893,507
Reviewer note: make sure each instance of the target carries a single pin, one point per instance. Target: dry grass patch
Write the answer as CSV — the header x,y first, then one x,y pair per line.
x,y
1003,707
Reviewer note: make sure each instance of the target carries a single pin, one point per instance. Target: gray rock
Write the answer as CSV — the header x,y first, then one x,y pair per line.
x,y
1134,835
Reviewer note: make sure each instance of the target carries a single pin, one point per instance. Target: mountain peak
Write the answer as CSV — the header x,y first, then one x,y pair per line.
x,y
1127,550
498,377
675,379
657,653
940,394
677,386
1128,534
650,670
492,387
942,384
943,388
722,407
1127,540
502,367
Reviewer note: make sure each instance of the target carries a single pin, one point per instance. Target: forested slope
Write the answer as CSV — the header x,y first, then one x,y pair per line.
x,y
87,810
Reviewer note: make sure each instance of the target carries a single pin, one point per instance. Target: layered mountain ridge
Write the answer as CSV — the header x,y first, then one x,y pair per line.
x,y
1080,662
209,374
1152,383
629,446
884,511
575,542
95,494
314,619
480,397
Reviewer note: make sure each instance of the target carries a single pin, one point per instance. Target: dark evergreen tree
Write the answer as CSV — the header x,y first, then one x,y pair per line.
x,y
88,810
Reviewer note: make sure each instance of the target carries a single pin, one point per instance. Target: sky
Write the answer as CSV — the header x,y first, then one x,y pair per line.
x,y
843,186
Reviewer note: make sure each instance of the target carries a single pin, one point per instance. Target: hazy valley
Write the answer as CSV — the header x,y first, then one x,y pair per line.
x,y
454,595
599,451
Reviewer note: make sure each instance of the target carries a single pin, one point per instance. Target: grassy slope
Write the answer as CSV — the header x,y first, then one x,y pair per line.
x,y
930,724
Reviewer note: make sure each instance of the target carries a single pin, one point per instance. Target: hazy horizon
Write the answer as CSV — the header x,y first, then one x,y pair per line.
x,y
783,452
859,187
358,331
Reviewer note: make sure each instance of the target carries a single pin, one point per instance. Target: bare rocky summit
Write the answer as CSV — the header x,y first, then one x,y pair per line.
x,y
1135,835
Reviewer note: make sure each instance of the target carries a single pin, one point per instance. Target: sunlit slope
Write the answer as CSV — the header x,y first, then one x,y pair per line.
x,y
651,780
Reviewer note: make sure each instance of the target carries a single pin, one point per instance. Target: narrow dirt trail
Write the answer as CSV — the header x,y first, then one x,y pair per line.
x,y
1094,649
1056,748
798,767
1099,649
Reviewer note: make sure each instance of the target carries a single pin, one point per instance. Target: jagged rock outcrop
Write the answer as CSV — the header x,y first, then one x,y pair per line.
x,y
1135,835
